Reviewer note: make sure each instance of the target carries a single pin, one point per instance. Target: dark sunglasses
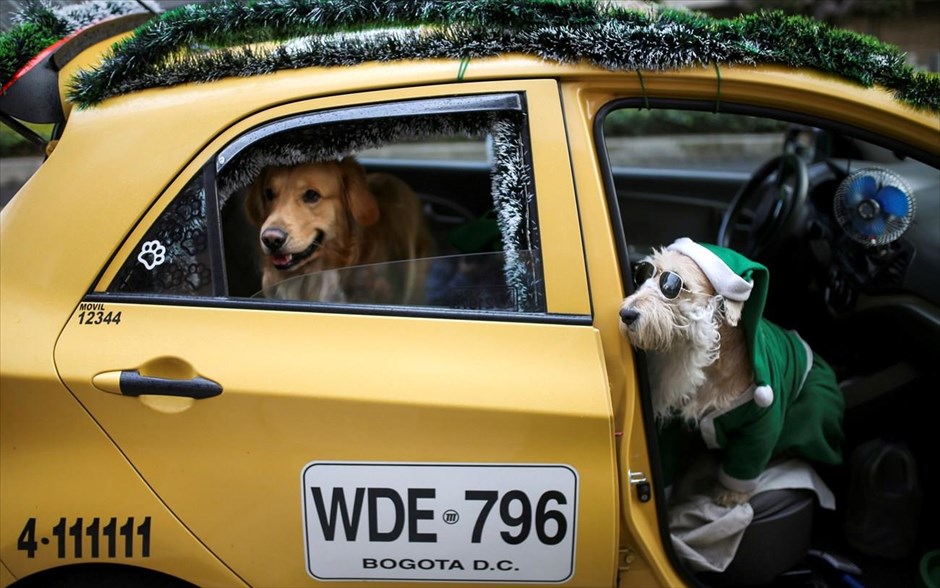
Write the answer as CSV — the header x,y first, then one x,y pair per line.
x,y
670,284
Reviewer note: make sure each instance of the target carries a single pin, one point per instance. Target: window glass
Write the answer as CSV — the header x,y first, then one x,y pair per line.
x,y
688,139
173,257
443,148
359,206
682,165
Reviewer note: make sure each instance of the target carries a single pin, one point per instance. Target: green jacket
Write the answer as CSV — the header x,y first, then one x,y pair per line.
x,y
804,420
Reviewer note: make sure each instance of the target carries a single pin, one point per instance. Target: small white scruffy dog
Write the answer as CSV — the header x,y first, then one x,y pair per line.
x,y
700,361
752,389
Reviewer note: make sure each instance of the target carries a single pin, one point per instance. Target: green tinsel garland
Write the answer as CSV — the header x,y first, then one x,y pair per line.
x,y
21,43
40,25
203,42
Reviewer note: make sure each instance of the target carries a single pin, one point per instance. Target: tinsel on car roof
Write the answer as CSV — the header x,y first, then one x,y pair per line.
x,y
205,42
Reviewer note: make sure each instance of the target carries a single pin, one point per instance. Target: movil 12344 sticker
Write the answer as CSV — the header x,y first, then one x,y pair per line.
x,y
440,522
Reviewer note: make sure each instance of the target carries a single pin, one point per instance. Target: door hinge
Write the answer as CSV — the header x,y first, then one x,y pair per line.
x,y
642,485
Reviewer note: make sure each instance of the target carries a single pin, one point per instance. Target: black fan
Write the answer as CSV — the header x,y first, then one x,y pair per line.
x,y
874,206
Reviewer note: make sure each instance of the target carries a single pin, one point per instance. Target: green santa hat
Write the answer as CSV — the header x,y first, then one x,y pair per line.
x,y
736,277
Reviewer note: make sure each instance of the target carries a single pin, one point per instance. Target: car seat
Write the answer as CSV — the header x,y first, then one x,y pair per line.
x,y
777,539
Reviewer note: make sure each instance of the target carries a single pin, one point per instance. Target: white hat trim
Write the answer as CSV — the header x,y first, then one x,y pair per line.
x,y
764,396
726,282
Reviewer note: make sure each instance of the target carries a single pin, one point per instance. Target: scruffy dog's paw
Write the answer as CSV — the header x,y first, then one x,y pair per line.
x,y
729,498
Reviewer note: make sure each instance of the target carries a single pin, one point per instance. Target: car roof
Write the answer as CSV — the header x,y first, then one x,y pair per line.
x,y
187,45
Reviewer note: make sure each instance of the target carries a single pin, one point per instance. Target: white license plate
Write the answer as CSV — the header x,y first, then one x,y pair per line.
x,y
439,522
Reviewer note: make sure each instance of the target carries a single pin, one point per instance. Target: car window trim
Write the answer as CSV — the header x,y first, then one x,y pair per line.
x,y
214,225
417,107
303,306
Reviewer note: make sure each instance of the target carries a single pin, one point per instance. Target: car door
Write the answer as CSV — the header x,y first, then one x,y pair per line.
x,y
306,441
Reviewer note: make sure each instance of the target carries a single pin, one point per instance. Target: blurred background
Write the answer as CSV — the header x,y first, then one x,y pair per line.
x,y
912,25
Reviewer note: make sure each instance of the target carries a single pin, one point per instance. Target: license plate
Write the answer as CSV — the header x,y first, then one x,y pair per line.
x,y
439,522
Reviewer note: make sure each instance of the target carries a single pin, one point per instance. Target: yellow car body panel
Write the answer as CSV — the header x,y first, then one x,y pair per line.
x,y
643,561
91,485
285,413
596,563
194,467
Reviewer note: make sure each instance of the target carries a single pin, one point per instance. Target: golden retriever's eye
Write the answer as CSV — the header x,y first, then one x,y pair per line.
x,y
268,194
311,196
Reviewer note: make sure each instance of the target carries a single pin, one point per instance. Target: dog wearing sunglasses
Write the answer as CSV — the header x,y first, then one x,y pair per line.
x,y
719,369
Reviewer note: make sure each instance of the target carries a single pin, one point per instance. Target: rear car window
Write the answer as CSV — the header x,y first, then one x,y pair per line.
x,y
465,161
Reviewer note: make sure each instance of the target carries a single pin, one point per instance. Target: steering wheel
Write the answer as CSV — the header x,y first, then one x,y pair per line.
x,y
766,209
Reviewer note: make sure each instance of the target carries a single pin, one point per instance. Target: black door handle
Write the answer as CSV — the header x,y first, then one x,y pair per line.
x,y
134,384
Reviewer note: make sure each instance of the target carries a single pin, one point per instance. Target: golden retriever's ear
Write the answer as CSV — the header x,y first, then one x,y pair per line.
x,y
362,204
254,204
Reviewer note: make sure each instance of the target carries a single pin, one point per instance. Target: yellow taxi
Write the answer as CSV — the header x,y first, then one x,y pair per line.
x,y
169,417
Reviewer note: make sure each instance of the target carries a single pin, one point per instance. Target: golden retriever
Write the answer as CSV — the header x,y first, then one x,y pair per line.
x,y
329,215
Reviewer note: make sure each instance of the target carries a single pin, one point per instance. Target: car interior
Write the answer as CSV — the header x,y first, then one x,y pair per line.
x,y
849,228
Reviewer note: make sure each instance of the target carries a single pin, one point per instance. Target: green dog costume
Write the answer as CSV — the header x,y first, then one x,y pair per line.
x,y
795,406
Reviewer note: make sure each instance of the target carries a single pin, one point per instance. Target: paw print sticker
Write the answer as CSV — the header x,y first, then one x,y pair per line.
x,y
152,254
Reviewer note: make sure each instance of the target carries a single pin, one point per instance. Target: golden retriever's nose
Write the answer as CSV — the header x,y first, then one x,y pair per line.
x,y
273,239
